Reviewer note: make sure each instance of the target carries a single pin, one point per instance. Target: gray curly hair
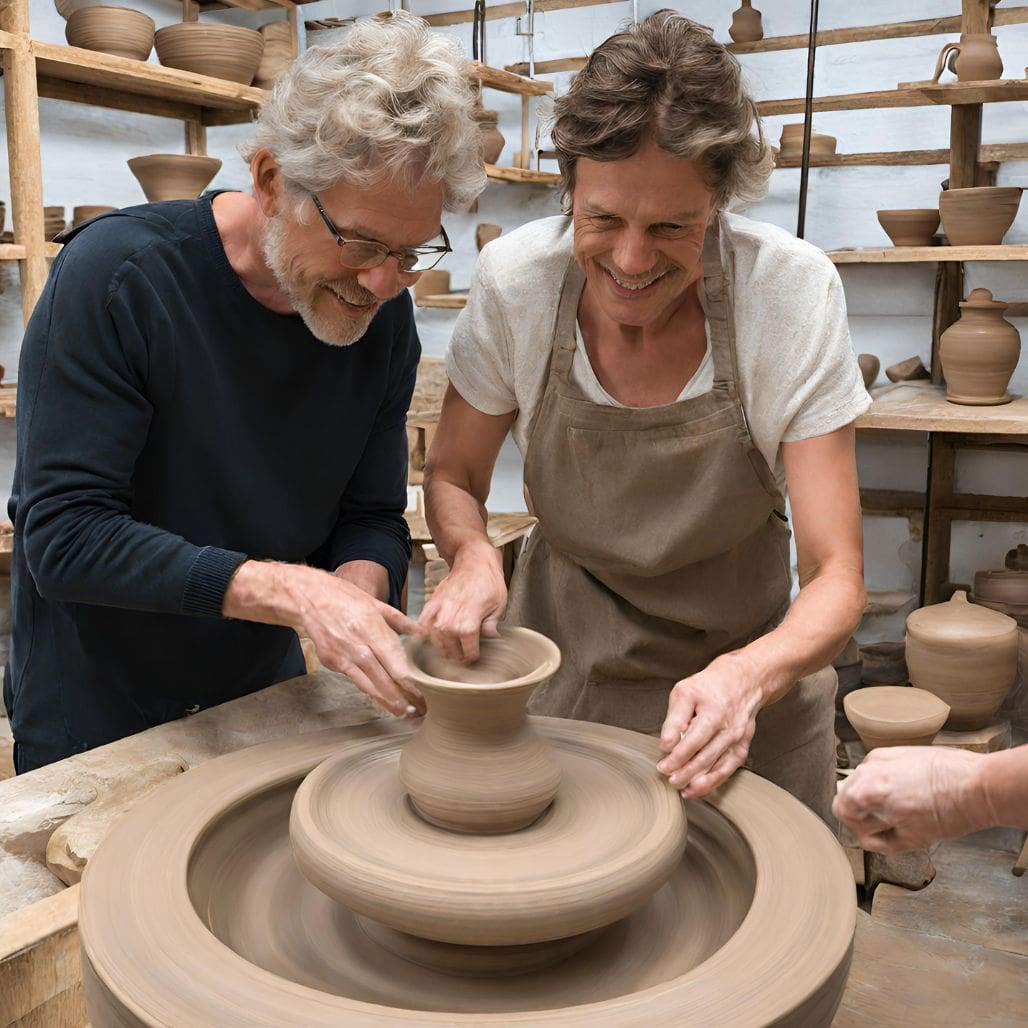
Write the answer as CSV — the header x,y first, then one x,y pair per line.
x,y
667,79
391,98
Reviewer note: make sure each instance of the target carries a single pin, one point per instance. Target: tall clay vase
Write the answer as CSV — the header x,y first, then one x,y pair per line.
x,y
979,352
964,654
746,27
977,58
476,764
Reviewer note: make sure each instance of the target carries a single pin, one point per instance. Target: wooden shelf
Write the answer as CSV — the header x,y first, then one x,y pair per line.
x,y
924,408
866,33
83,76
508,82
11,252
990,152
549,67
512,10
907,95
449,301
501,173
8,399
928,254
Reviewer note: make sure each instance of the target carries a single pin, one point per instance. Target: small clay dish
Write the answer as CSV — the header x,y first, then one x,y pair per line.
x,y
911,227
895,715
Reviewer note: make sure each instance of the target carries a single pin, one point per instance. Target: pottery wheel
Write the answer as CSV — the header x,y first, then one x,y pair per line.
x,y
610,838
193,912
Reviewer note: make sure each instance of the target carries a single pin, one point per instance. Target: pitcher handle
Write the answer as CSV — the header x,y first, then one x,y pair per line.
x,y
941,63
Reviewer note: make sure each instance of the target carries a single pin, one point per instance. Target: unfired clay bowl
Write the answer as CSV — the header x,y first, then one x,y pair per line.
x,y
978,216
791,143
966,655
221,51
1005,591
895,715
870,365
86,211
277,55
111,30
173,176
913,227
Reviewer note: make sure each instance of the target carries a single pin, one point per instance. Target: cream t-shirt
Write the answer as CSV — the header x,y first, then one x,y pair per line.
x,y
798,376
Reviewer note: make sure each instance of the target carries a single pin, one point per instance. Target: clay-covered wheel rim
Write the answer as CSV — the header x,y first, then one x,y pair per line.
x,y
787,961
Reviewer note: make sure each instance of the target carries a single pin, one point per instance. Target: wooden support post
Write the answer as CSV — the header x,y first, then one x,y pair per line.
x,y
196,132
526,147
938,521
949,291
22,113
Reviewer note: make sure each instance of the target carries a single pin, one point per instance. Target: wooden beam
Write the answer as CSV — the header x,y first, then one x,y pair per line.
x,y
501,173
926,94
937,523
116,100
508,82
990,153
511,11
549,67
889,30
949,291
928,254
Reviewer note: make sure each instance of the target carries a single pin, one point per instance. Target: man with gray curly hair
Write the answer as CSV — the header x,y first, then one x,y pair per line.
x,y
211,438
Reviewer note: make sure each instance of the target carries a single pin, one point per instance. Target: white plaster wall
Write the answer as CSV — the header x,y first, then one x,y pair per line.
x,y
84,154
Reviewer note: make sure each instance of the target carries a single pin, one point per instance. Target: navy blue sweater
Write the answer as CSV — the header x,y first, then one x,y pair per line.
x,y
169,426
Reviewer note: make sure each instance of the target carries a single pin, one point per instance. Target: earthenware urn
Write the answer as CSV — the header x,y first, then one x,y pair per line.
x,y
977,58
476,764
746,27
979,352
964,654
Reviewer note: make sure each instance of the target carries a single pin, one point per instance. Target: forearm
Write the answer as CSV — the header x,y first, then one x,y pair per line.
x,y
457,522
368,575
1001,791
270,593
817,626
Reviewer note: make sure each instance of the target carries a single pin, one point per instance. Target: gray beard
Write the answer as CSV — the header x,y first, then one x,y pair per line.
x,y
335,333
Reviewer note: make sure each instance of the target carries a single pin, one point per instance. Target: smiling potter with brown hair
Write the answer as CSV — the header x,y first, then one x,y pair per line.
x,y
667,369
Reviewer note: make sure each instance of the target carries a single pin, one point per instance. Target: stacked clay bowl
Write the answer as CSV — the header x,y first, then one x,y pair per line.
x,y
54,221
86,211
966,655
173,176
895,715
791,144
978,216
913,227
111,30
1005,591
277,54
221,51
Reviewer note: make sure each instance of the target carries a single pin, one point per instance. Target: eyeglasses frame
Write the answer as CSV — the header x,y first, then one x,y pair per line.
x,y
386,252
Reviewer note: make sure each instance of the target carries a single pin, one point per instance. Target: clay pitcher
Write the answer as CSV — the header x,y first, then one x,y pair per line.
x,y
746,26
979,352
491,136
977,58
964,654
476,764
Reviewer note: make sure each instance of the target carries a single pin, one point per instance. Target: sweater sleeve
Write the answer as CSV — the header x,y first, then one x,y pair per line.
x,y
371,524
84,421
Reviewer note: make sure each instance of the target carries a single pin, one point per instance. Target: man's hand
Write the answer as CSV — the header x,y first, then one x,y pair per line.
x,y
353,632
908,797
709,726
468,603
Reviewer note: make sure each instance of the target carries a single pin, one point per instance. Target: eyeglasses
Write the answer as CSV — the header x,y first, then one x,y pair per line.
x,y
366,253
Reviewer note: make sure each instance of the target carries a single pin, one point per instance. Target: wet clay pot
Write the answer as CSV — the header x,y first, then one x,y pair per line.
x,y
111,30
979,352
913,227
966,655
977,58
895,715
221,51
491,137
979,216
746,26
870,365
277,54
173,176
476,764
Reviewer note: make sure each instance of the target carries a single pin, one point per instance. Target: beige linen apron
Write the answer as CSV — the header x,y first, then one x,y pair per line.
x,y
662,542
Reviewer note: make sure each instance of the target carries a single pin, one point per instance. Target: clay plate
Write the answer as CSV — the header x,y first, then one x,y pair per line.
x,y
607,842
193,913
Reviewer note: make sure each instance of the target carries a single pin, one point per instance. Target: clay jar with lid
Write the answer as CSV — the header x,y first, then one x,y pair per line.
x,y
977,58
746,26
491,137
964,654
477,764
979,352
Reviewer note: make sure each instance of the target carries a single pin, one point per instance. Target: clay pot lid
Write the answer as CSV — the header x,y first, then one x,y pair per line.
x,y
895,705
982,298
959,621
